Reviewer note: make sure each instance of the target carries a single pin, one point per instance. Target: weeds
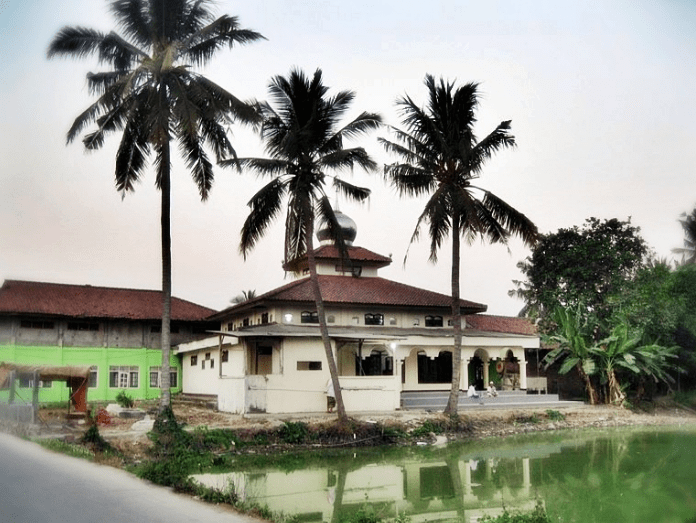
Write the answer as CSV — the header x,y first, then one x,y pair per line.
x,y
293,432
124,400
538,515
69,449
555,415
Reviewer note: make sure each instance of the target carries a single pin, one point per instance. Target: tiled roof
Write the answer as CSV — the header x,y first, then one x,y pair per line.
x,y
505,324
85,301
358,255
346,290
330,252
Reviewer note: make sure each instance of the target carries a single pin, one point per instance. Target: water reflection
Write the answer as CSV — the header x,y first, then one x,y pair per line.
x,y
617,476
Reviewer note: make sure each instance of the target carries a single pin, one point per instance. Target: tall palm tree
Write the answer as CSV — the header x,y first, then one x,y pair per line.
x,y
440,156
304,139
152,96
688,252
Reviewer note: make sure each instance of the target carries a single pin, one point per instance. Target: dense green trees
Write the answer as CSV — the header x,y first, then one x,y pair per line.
x,y
304,137
151,95
440,156
608,309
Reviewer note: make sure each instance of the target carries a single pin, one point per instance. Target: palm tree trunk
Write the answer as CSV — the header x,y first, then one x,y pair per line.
x,y
453,401
165,398
314,279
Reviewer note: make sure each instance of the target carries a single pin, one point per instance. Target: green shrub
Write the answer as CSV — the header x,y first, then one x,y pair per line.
x,y
554,415
95,440
124,400
428,426
293,432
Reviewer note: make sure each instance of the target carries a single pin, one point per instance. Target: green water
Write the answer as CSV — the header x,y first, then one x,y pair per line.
x,y
612,476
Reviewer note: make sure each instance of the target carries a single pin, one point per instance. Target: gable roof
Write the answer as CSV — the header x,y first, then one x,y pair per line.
x,y
346,290
504,324
85,301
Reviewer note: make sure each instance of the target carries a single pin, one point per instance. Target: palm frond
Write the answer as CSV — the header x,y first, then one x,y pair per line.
x,y
77,42
265,206
513,221
133,20
350,191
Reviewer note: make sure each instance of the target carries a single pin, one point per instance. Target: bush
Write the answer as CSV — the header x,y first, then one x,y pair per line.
x,y
124,400
554,415
293,432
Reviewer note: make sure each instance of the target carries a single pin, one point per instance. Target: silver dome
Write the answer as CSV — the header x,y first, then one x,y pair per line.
x,y
348,227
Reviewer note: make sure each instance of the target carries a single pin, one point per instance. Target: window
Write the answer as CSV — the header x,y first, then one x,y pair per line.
x,y
287,318
264,318
209,360
433,321
82,326
225,356
309,365
93,377
230,326
392,321
156,377
124,377
34,324
355,320
416,322
309,317
194,360
374,319
331,318
245,322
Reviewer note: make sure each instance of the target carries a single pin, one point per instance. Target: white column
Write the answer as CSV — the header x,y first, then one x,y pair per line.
x,y
523,372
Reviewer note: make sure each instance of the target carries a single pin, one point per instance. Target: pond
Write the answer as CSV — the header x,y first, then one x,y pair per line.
x,y
619,475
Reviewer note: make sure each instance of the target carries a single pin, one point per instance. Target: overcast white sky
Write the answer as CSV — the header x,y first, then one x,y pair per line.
x,y
600,94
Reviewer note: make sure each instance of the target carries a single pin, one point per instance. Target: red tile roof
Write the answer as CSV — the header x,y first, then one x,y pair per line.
x,y
85,301
330,252
504,324
346,290
326,253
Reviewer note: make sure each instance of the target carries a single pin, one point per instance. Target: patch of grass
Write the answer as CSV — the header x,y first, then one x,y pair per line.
x,y
69,449
686,398
362,516
555,415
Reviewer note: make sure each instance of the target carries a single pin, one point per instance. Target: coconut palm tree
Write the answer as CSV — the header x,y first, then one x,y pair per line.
x,y
440,156
152,96
688,252
304,138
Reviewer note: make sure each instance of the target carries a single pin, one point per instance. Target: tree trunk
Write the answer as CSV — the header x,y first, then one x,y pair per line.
x,y
616,395
165,398
314,278
591,392
453,401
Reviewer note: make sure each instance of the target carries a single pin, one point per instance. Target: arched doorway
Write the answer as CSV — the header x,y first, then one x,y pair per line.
x,y
475,369
511,372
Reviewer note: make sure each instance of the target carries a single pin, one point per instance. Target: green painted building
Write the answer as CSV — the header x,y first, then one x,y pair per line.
x,y
116,332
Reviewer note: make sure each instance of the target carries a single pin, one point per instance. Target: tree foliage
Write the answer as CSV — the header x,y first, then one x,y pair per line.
x,y
581,267
688,252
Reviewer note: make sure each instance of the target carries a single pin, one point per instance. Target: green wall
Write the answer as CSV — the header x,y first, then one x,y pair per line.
x,y
103,358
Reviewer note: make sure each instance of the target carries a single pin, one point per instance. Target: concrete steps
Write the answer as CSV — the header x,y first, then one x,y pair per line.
x,y
506,399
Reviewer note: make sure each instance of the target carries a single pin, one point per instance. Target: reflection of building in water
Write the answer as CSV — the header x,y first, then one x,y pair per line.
x,y
461,488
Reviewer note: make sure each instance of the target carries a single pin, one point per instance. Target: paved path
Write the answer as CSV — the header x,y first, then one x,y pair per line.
x,y
38,486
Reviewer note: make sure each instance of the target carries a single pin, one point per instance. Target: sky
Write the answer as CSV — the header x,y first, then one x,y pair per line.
x,y
600,94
